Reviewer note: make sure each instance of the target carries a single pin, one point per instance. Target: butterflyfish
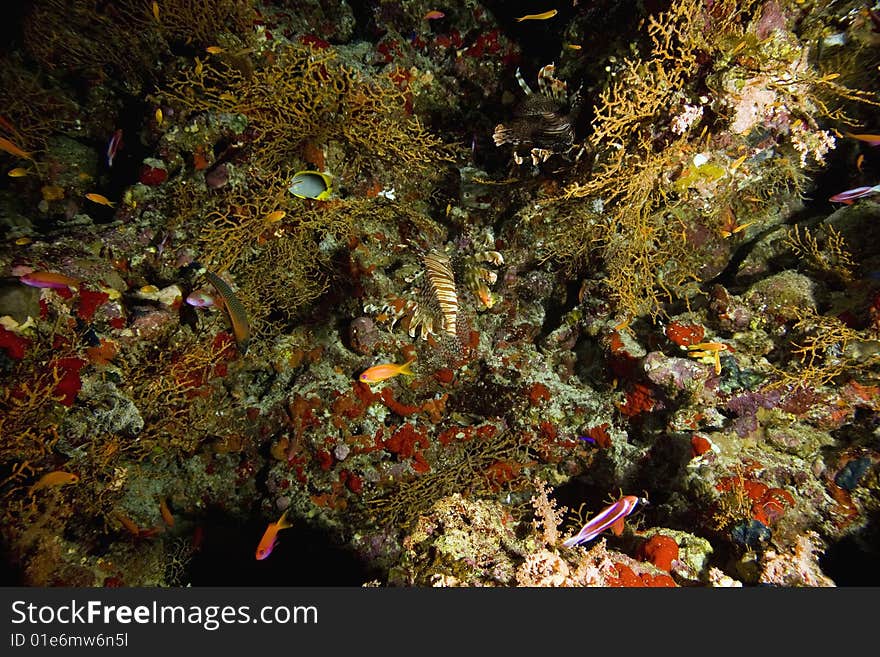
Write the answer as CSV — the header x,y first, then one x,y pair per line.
x,y
311,184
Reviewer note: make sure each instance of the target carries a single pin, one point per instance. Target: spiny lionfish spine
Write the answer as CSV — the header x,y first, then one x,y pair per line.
x,y
549,85
439,274
522,83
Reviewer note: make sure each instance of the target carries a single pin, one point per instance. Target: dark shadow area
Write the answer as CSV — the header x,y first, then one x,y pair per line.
x,y
855,559
303,556
10,574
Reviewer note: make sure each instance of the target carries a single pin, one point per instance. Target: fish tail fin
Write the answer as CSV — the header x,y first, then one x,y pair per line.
x,y
404,369
283,522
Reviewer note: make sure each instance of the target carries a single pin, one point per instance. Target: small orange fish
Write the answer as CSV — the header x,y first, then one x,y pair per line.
x,y
156,10
270,537
485,297
537,17
12,149
433,15
278,215
860,162
55,480
100,199
129,524
18,172
214,50
166,513
379,373
573,46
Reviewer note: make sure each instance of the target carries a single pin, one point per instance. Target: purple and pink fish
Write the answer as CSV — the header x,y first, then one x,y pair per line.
x,y
49,279
113,146
851,195
611,517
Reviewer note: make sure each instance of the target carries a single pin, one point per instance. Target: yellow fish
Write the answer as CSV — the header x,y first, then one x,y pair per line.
x,y
311,184
100,199
379,373
54,480
278,215
18,172
214,50
537,17
159,116
156,10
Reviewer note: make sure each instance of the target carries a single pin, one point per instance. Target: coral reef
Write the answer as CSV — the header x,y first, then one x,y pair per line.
x,y
644,284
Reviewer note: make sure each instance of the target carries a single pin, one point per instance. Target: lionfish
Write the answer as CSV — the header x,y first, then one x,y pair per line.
x,y
441,290
539,122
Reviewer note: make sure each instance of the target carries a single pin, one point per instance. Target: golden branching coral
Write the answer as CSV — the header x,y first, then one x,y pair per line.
x,y
298,96
631,222
828,254
823,348
206,22
29,417
278,247
465,467
31,111
175,388
656,181
126,37
118,38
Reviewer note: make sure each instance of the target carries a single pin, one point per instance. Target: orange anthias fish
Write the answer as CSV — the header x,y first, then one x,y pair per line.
x,y
537,17
55,480
384,371
270,537
100,199
166,513
12,149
